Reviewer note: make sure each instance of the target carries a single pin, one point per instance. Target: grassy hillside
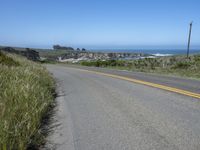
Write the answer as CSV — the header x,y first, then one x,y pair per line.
x,y
53,54
26,94
175,65
8,61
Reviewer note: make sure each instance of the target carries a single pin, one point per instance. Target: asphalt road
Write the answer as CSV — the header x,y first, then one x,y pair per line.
x,y
97,112
192,85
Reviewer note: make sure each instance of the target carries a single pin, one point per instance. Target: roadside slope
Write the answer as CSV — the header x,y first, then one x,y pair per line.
x,y
26,94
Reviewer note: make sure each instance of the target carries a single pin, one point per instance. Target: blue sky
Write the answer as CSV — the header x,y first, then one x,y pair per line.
x,y
99,24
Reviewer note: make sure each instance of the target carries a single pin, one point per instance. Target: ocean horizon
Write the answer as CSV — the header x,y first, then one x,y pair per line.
x,y
152,51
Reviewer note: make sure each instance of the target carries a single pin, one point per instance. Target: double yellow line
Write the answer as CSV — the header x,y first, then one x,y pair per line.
x,y
163,87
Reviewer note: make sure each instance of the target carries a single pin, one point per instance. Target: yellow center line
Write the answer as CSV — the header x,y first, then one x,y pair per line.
x,y
163,87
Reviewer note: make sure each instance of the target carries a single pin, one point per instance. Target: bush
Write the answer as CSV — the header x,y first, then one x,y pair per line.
x,y
197,58
100,63
181,65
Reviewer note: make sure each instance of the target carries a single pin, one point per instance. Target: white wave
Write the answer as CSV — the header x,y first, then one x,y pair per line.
x,y
161,55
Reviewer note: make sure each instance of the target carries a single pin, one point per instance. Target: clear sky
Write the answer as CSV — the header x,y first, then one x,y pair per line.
x,y
99,23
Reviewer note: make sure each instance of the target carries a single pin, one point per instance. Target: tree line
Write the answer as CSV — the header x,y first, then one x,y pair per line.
x,y
58,47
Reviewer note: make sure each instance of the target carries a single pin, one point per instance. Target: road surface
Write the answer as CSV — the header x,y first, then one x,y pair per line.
x,y
191,85
97,112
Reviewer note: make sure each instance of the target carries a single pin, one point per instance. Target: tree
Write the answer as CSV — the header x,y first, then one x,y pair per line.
x,y
58,47
83,49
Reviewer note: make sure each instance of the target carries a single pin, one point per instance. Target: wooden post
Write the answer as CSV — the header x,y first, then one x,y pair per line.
x,y
189,38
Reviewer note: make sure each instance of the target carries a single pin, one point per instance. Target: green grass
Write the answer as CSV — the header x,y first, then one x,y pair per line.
x,y
26,94
172,65
5,60
52,54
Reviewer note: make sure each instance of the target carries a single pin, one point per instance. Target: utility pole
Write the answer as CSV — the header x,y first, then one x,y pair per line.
x,y
188,48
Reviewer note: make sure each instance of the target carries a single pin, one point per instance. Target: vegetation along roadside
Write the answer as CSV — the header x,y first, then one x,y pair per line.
x,y
26,94
173,65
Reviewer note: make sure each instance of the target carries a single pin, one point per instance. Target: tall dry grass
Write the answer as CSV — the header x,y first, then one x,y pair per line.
x,y
26,92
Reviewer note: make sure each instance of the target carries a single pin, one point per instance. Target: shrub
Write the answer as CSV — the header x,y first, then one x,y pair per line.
x,y
182,65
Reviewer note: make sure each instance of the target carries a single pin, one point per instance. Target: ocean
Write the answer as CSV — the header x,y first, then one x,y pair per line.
x,y
161,52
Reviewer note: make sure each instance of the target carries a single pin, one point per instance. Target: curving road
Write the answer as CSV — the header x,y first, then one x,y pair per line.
x,y
96,112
